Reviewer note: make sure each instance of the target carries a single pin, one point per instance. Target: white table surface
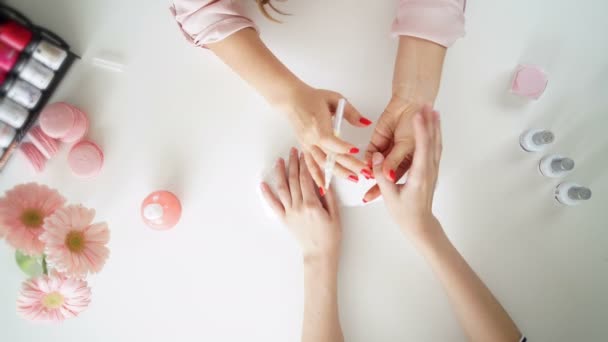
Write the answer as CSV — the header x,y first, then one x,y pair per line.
x,y
178,119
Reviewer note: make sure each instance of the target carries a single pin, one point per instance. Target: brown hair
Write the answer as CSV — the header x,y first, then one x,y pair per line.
x,y
263,6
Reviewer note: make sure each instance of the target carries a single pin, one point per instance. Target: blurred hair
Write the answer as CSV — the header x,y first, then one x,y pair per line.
x,y
263,5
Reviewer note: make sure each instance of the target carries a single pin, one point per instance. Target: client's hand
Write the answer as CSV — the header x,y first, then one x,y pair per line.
x,y
314,222
411,204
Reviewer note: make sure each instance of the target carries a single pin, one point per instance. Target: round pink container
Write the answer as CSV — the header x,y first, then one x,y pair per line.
x,y
85,159
161,210
45,144
529,81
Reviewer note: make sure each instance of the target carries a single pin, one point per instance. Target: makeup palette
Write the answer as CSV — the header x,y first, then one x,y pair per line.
x,y
33,61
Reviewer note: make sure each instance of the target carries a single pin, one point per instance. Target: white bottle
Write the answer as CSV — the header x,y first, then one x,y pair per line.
x,y
555,166
571,193
7,134
534,140
12,113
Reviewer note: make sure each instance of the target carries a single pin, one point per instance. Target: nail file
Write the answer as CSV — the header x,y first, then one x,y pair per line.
x,y
330,163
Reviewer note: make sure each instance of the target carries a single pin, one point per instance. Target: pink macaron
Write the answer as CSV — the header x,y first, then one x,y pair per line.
x,y
36,159
80,128
57,119
45,144
63,121
85,159
529,81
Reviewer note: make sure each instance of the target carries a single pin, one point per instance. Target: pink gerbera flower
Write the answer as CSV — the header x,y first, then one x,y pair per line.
x,y
75,246
22,213
53,298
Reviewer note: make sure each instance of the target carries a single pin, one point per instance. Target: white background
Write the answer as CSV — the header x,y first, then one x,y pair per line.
x,y
178,119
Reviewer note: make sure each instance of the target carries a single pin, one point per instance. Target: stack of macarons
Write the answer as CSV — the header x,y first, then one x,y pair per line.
x,y
63,122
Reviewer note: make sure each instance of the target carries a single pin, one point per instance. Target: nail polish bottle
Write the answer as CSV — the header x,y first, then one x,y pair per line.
x,y
12,113
21,92
47,53
7,134
161,210
555,166
34,72
534,140
14,34
8,57
572,194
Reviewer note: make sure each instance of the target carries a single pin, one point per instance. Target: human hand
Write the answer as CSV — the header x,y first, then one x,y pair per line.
x,y
315,223
416,81
310,112
411,203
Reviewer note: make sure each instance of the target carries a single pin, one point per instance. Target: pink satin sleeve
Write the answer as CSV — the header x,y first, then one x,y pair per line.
x,y
440,21
206,21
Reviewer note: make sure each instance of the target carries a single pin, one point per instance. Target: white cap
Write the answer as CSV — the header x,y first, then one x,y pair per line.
x,y
153,211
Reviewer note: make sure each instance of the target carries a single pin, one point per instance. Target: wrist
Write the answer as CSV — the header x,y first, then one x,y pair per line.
x,y
418,68
322,262
424,232
282,91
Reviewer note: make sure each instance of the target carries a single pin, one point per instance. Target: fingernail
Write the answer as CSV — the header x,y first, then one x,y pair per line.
x,y
364,200
438,115
321,191
392,175
377,158
365,121
367,173
353,150
353,178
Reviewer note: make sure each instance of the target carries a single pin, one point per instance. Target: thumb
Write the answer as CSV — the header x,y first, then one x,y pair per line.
x,y
401,151
387,188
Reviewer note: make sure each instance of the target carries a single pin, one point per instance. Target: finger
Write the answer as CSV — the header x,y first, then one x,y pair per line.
x,y
351,114
294,177
282,186
339,170
372,194
331,143
315,172
354,165
332,203
422,157
272,200
387,188
381,140
400,154
308,186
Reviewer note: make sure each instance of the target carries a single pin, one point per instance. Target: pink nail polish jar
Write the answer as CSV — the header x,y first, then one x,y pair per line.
x,y
161,210
529,81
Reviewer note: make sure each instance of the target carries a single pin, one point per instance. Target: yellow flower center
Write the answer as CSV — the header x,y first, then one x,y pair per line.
x,y
75,241
53,300
32,218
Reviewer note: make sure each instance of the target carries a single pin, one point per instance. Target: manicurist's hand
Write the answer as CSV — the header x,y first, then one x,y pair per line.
x,y
310,112
314,222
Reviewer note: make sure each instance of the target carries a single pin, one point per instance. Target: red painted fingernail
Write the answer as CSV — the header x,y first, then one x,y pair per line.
x,y
353,178
353,150
321,191
392,175
365,121
367,173
364,200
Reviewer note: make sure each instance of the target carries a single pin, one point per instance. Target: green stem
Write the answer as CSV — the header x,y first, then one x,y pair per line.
x,y
44,268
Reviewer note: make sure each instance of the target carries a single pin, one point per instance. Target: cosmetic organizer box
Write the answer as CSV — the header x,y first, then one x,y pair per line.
x,y
33,61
